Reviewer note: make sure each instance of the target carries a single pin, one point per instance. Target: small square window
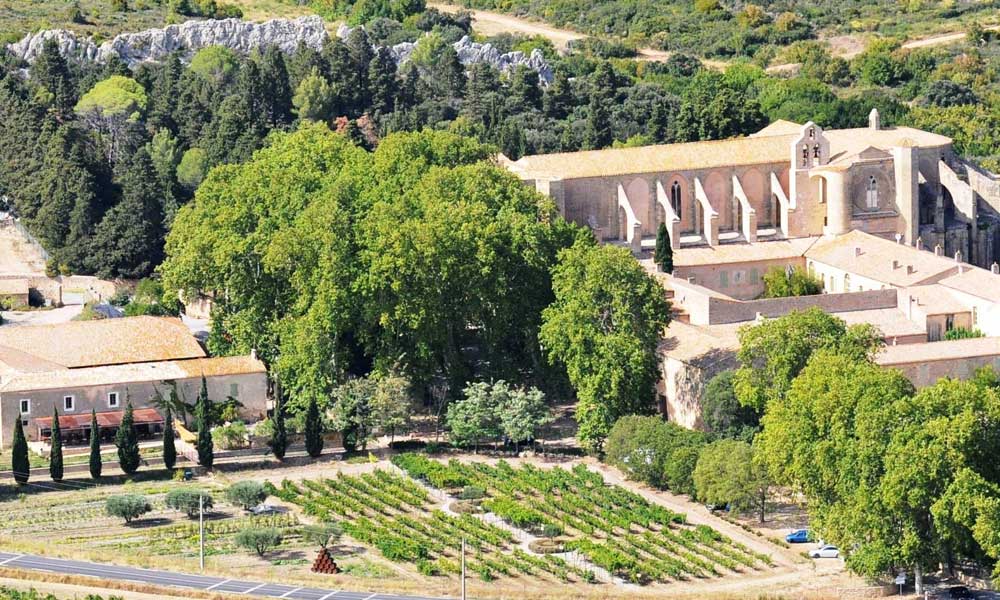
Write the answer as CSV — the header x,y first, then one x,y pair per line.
x,y
25,406
68,403
112,399
24,422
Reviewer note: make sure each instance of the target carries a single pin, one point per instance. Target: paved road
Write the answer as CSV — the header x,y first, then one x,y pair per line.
x,y
184,580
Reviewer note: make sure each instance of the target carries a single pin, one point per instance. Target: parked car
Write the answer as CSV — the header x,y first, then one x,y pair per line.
x,y
826,551
960,592
800,536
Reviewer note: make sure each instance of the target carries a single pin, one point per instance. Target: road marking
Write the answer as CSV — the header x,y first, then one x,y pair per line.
x,y
372,596
255,588
289,592
210,588
12,558
330,594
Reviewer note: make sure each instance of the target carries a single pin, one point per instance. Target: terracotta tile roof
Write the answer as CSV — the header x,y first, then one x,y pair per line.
x,y
104,419
933,351
875,259
935,299
700,345
13,360
132,373
105,342
975,282
892,322
742,252
768,146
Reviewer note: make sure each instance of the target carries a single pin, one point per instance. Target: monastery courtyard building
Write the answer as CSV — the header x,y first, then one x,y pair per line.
x,y
902,232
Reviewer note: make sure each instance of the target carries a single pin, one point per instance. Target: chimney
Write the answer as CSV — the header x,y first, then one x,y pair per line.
x,y
857,251
758,317
995,269
938,250
920,243
910,269
899,238
874,120
253,353
958,256
895,264
893,341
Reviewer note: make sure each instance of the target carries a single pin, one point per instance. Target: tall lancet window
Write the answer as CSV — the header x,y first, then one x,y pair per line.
x,y
871,194
675,198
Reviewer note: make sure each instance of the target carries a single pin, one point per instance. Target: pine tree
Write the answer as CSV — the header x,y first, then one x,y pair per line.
x,y
127,441
558,99
525,92
598,132
659,123
56,453
382,83
277,94
314,430
51,72
128,240
95,447
169,451
203,412
663,255
19,454
279,436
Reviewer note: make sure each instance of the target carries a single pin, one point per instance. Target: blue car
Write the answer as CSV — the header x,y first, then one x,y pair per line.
x,y
798,537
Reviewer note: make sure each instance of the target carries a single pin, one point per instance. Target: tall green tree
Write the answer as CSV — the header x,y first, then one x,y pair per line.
x,y
351,411
203,414
382,82
314,429
56,452
727,473
127,441
597,133
772,353
663,254
475,417
277,94
51,72
169,450
604,326
19,462
96,464
722,413
279,436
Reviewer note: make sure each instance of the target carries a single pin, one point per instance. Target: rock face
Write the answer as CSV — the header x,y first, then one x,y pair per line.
x,y
155,44
244,36
470,52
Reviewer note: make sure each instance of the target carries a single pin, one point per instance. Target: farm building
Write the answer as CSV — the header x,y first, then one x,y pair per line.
x,y
81,366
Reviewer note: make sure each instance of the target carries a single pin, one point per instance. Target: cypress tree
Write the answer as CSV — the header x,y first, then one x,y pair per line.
x,y
206,450
19,454
95,447
314,430
126,440
597,134
169,451
664,254
279,437
56,455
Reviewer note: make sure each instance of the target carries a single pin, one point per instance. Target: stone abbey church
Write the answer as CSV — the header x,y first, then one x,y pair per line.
x,y
784,182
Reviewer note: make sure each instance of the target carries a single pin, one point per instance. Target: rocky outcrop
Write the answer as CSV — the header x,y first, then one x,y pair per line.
x,y
189,37
470,52
244,36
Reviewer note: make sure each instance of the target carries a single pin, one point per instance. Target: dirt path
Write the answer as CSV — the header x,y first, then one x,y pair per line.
x,y
492,23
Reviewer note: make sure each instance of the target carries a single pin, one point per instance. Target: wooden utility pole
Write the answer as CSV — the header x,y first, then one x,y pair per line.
x,y
463,569
201,531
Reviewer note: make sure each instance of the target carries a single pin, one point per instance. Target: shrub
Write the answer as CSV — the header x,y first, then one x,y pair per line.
x,y
231,435
246,494
186,500
322,535
259,539
471,492
652,450
128,506
963,333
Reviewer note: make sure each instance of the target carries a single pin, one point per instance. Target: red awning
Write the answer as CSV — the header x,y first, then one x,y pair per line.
x,y
104,419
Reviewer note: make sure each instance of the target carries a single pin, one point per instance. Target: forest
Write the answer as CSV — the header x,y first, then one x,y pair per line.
x,y
106,155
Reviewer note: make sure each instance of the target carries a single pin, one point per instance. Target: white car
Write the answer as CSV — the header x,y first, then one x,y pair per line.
x,y
825,551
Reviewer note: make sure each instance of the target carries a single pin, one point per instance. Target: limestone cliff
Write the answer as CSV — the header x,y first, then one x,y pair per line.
x,y
155,44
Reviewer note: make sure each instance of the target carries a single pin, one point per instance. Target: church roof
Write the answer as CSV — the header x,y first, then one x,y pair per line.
x,y
872,257
768,146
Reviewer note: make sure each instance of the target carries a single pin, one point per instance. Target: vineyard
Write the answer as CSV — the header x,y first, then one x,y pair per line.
x,y
396,515
613,528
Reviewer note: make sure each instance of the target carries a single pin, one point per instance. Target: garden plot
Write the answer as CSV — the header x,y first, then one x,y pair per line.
x,y
613,528
396,515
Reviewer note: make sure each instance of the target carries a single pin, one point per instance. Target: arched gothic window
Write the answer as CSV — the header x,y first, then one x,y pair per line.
x,y
871,194
675,198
